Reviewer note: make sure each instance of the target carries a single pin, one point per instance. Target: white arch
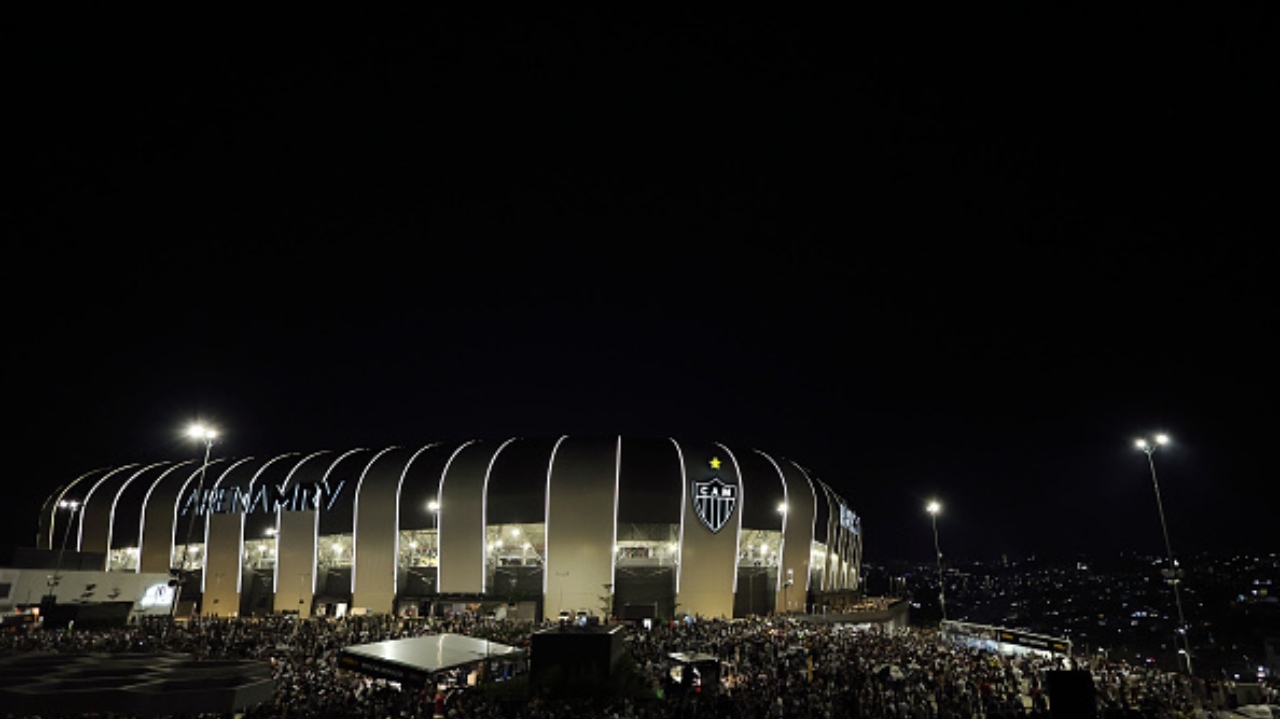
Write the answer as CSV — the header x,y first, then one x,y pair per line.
x,y
111,516
742,502
684,498
395,577
142,518
782,545
813,524
440,500
546,514
355,515
484,517
239,543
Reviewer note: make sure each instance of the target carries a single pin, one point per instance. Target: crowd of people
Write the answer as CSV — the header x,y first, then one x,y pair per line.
x,y
769,668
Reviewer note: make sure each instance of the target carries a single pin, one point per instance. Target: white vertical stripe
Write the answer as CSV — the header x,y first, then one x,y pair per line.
x,y
546,520
684,502
275,565
484,517
439,519
395,576
239,558
283,489
204,573
782,546
355,515
813,522
315,540
62,493
613,545
142,519
84,506
742,497
111,516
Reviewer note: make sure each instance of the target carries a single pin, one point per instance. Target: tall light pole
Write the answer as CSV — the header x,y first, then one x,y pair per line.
x,y
790,577
433,506
207,435
934,508
71,505
1148,447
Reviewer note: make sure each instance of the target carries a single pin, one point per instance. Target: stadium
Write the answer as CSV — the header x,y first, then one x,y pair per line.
x,y
636,527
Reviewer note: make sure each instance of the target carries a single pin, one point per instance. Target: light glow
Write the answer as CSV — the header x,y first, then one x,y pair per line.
x,y
934,507
200,431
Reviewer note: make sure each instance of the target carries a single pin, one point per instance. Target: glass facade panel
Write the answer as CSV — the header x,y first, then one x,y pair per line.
x,y
334,550
759,548
513,545
124,559
648,545
194,557
818,566
259,553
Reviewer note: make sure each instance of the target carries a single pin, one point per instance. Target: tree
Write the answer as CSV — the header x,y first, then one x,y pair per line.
x,y
606,602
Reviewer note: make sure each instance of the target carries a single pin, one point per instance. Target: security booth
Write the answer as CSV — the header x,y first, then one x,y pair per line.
x,y
693,673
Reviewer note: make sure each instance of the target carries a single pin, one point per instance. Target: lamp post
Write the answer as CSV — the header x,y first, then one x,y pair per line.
x,y
71,505
433,506
207,435
934,508
786,586
1148,447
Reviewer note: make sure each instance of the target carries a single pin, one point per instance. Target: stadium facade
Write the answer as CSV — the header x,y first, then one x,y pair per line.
x,y
656,526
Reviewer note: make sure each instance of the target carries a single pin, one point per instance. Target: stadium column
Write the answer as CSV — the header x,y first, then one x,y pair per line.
x,y
582,491
461,528
296,561
159,520
223,562
224,540
802,507
377,527
708,553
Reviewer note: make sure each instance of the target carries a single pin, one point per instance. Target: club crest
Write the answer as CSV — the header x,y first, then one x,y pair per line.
x,y
714,502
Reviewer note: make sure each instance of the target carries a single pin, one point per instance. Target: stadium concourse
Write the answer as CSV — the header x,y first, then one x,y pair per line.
x,y
771,667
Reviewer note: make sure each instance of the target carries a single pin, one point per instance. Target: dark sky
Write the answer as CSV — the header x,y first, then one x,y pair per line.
x,y
969,262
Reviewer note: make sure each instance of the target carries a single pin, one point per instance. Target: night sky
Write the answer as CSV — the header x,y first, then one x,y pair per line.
x,y
969,262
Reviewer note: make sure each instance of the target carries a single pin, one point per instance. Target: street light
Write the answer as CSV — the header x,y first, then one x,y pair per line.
x,y
204,434
786,585
71,505
433,506
934,508
1148,447
207,435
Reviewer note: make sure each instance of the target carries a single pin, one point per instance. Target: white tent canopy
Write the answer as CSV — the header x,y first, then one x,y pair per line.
x,y
415,658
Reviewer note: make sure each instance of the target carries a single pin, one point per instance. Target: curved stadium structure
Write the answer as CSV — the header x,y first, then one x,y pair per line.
x,y
664,526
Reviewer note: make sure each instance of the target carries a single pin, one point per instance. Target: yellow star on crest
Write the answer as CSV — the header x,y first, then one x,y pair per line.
x,y
715,463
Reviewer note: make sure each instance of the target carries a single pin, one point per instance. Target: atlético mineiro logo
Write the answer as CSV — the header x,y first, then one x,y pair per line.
x,y
714,502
